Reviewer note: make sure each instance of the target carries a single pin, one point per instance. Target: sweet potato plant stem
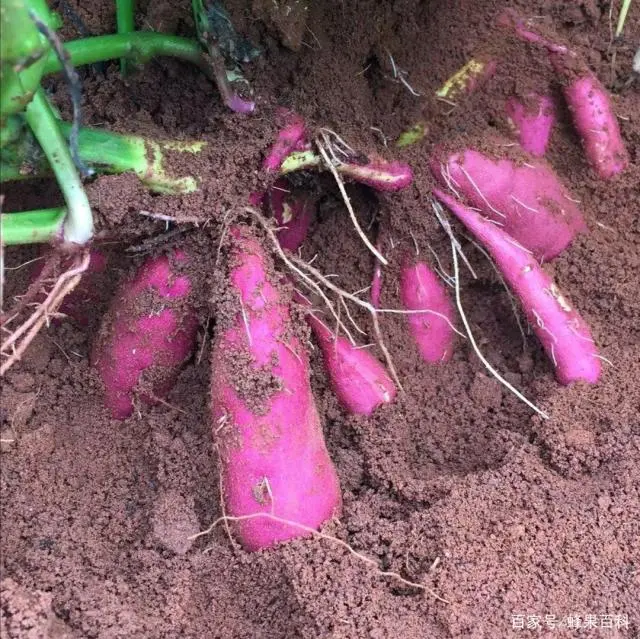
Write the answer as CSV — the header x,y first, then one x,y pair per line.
x,y
78,226
140,46
109,153
125,21
31,227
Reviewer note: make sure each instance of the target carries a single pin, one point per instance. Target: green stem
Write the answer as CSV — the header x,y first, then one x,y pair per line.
x,y
23,51
140,46
106,152
622,18
31,227
125,19
78,226
300,161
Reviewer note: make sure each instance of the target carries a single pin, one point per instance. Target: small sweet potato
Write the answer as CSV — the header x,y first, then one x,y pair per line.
x,y
422,290
532,118
358,379
294,210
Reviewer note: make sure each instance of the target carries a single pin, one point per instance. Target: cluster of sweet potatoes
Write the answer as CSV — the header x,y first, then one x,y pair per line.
x,y
278,479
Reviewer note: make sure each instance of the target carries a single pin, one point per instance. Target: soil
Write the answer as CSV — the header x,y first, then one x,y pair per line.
x,y
512,519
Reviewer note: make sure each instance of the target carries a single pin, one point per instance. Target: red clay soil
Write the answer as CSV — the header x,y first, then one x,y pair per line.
x,y
526,527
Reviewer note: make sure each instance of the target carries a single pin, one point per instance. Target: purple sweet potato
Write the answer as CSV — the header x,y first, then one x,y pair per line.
x,y
512,20
563,333
266,425
294,210
146,336
526,198
532,119
593,116
291,137
360,382
422,290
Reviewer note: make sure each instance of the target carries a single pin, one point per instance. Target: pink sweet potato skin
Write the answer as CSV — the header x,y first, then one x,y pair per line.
x,y
593,117
564,335
526,198
422,290
294,212
360,382
588,100
533,119
146,336
379,174
291,137
273,457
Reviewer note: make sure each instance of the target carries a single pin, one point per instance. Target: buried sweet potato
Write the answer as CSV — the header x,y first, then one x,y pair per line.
x,y
146,336
361,383
532,118
432,326
593,116
275,468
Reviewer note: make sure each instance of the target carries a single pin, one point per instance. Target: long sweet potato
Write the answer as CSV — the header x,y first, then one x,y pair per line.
x,y
563,333
593,116
266,425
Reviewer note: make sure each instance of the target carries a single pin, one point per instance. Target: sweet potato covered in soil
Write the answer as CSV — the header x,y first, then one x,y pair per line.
x,y
432,317
455,484
265,422
359,380
532,117
147,334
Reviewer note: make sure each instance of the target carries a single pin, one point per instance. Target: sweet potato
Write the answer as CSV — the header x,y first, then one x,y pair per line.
x,y
432,330
526,198
266,425
532,119
294,210
359,380
593,116
563,333
291,137
146,336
